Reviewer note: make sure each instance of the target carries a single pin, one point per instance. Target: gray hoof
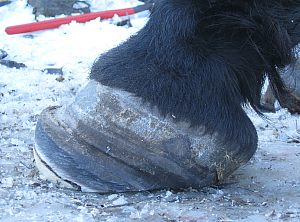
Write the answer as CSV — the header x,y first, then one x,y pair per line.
x,y
109,141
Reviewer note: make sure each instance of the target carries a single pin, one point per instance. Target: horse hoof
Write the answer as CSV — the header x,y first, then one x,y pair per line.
x,y
109,141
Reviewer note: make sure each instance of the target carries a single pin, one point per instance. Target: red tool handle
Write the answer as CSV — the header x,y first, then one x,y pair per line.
x,y
54,23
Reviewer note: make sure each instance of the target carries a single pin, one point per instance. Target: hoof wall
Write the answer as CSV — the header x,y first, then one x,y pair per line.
x,y
111,142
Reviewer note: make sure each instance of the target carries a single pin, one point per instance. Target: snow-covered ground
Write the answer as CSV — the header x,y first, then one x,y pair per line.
x,y
268,188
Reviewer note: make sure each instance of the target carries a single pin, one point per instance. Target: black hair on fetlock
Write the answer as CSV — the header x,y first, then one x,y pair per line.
x,y
200,61
268,30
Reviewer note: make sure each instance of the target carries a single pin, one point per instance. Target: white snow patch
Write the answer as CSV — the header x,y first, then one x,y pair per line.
x,y
7,182
120,201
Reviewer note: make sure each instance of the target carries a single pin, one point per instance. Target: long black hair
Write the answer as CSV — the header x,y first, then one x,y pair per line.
x,y
200,60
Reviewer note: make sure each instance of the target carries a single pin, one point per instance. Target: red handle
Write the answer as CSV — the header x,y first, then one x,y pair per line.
x,y
54,23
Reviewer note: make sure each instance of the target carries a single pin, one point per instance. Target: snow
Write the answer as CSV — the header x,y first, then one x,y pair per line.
x,y
265,189
120,201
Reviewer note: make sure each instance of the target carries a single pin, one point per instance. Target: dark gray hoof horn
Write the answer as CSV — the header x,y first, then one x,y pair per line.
x,y
109,141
